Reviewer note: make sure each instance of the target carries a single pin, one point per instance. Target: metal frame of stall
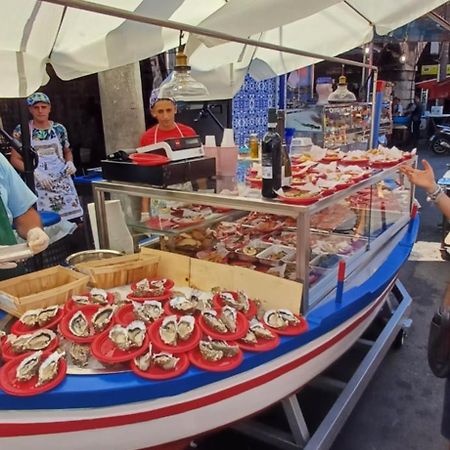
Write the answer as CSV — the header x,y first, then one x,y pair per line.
x,y
330,426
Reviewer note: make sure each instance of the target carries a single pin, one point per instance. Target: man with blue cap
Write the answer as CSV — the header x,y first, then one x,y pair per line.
x,y
54,185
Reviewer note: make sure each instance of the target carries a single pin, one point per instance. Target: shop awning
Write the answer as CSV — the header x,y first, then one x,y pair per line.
x,y
436,90
78,42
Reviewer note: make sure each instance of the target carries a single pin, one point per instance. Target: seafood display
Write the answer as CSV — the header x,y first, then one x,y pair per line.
x,y
215,350
79,325
39,340
128,337
280,318
80,354
149,311
49,368
173,328
145,289
39,317
162,360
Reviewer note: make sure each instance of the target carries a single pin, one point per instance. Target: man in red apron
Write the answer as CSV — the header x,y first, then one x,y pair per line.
x,y
54,185
163,110
16,206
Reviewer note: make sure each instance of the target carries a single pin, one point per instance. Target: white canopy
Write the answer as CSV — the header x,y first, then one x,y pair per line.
x,y
78,43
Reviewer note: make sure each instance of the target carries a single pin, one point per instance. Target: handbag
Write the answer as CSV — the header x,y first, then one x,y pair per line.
x,y
439,343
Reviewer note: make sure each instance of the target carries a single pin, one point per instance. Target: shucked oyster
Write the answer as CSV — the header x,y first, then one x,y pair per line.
x,y
208,352
149,311
228,350
102,318
165,361
128,337
47,314
80,354
228,299
29,366
274,319
289,317
79,325
228,317
260,330
30,317
39,340
250,338
185,327
143,362
211,319
168,330
145,289
81,299
49,368
99,296
183,304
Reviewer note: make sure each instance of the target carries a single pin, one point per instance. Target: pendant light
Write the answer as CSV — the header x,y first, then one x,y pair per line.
x,y
180,84
342,94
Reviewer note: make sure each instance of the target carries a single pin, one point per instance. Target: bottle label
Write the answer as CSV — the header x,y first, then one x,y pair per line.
x,y
267,172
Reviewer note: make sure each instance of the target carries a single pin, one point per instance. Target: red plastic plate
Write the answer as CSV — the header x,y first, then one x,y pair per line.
x,y
223,365
356,162
161,298
71,305
19,328
263,345
241,328
149,159
252,310
156,373
11,386
384,163
88,311
182,346
299,200
106,352
8,354
125,315
291,330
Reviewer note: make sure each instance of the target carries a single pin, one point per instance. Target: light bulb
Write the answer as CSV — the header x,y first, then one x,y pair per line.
x,y
402,59
366,50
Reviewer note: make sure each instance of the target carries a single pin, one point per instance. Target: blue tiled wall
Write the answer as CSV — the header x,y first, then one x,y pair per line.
x,y
250,107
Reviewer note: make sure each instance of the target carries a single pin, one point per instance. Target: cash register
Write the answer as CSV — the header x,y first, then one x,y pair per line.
x,y
187,163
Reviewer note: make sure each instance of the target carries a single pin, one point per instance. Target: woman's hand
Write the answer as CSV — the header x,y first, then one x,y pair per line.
x,y
422,178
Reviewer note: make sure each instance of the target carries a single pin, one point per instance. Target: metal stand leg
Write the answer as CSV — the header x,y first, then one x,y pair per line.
x,y
350,392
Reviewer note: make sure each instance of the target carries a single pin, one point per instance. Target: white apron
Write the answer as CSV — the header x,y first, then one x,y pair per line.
x,y
62,198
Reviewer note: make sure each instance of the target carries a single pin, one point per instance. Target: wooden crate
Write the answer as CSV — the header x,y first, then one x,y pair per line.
x,y
119,271
40,289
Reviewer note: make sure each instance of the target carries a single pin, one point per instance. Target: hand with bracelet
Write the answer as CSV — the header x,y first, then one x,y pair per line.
x,y
426,180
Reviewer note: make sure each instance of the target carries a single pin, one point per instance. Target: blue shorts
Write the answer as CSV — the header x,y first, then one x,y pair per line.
x,y
445,428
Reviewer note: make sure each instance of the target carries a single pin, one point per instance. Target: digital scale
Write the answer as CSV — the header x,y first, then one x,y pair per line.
x,y
176,149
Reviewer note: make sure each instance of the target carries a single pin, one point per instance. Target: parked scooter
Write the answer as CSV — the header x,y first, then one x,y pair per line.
x,y
440,141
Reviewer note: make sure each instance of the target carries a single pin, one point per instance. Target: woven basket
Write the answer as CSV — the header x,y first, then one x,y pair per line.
x,y
112,272
40,289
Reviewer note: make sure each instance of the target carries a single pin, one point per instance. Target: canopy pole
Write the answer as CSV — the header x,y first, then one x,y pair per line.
x,y
372,142
127,15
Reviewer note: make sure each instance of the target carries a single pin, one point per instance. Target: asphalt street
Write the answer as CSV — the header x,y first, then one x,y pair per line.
x,y
401,407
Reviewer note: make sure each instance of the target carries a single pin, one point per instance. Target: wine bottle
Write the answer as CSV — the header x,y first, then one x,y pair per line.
x,y
271,158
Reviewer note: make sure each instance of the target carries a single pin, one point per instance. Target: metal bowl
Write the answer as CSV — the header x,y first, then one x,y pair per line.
x,y
91,255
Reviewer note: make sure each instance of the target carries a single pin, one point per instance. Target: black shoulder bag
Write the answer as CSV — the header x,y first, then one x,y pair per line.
x,y
439,343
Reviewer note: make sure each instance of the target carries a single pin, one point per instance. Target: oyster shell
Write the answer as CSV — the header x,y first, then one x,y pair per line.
x,y
168,330
228,299
18,342
29,366
250,338
183,304
260,330
47,314
243,302
80,354
144,289
49,368
149,311
228,317
210,318
119,336
99,296
79,325
136,331
289,317
274,319
81,299
143,362
165,361
208,352
30,317
185,327
227,349
158,283
39,340
102,318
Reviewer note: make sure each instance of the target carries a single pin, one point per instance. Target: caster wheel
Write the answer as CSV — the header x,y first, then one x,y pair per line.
x,y
399,339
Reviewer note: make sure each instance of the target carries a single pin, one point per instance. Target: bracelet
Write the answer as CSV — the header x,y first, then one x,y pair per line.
x,y
433,196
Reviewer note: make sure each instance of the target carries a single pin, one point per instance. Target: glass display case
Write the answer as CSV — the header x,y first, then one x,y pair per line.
x,y
346,126
301,243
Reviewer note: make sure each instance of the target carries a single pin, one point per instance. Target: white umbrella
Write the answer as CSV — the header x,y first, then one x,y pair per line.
x,y
78,42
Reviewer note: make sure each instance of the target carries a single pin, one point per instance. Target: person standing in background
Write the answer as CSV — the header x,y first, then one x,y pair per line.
x,y
54,185
426,180
415,111
397,108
